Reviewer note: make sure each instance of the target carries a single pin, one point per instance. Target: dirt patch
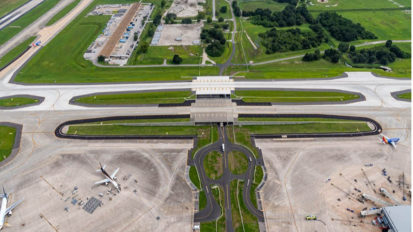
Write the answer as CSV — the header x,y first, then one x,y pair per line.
x,y
180,34
185,8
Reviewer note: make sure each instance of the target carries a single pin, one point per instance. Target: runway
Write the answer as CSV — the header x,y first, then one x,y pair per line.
x,y
377,90
19,12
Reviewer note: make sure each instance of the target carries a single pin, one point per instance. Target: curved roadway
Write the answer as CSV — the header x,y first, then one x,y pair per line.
x,y
212,210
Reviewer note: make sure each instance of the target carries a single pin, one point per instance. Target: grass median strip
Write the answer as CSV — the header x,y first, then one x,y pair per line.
x,y
17,101
293,96
219,224
7,6
193,175
16,51
238,162
242,219
24,21
258,176
242,134
63,12
405,95
137,98
7,135
214,165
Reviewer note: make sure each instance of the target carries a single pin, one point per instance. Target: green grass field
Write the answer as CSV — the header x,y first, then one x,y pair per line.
x,y
193,175
406,95
292,96
337,5
258,176
238,162
17,101
157,55
51,66
18,25
296,69
7,135
8,57
214,165
384,24
105,129
251,5
247,222
63,12
292,69
219,224
241,134
138,98
206,135
259,54
219,4
141,121
225,56
6,6
202,200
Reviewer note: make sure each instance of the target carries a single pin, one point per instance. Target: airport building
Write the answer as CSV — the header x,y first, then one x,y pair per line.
x,y
397,218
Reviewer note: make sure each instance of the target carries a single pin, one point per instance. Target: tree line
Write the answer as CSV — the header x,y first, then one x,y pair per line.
x,y
290,40
290,16
376,55
343,29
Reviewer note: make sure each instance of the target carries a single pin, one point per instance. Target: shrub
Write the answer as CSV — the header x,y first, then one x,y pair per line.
x,y
176,59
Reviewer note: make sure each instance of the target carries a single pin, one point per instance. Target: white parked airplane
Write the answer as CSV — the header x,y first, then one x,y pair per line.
x,y
4,211
109,178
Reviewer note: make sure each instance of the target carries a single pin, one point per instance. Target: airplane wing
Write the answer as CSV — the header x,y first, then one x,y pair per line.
x,y
13,206
393,144
114,173
102,182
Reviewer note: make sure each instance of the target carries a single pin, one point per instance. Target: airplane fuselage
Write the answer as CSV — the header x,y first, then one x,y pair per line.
x,y
3,211
114,183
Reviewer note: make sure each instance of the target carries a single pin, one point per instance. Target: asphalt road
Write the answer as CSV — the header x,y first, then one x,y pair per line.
x,y
212,210
33,28
17,13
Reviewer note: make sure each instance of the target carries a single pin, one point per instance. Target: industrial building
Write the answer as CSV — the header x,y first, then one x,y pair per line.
x,y
122,32
397,218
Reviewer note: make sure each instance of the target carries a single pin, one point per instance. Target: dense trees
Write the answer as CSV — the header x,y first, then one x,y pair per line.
x,y
186,21
332,55
151,30
377,55
216,41
292,2
101,59
343,47
223,9
312,56
157,19
289,40
170,18
236,9
200,16
176,59
290,16
220,19
343,29
389,43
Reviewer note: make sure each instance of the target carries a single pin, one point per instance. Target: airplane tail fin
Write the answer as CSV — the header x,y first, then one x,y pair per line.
x,y
101,167
4,192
